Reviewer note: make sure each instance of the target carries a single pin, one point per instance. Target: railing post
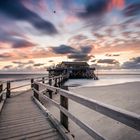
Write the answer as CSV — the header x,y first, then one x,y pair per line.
x,y
55,82
59,82
43,80
63,117
36,95
1,88
32,81
50,92
8,93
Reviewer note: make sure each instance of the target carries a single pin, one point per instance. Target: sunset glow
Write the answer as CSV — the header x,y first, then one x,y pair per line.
x,y
38,34
117,3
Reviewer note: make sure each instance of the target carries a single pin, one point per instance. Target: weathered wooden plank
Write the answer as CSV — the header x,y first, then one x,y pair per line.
x,y
28,133
24,120
8,93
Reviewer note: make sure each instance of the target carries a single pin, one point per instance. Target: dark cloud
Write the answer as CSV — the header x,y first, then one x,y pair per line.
x,y
94,7
132,9
134,63
5,55
78,54
79,57
20,43
38,64
110,55
7,67
79,37
50,61
108,61
16,10
86,49
98,35
63,49
82,55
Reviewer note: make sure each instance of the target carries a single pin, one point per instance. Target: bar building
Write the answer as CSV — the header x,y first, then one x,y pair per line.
x,y
75,70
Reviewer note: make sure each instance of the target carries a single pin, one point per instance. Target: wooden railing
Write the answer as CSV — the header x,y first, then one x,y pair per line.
x,y
128,118
53,85
6,87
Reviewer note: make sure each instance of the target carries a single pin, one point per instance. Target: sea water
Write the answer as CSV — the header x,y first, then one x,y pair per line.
x,y
104,80
20,76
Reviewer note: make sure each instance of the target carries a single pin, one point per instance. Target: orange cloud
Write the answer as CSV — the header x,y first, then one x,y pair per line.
x,y
70,20
116,3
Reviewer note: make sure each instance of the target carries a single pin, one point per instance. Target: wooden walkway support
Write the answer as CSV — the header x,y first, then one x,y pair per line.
x,y
22,119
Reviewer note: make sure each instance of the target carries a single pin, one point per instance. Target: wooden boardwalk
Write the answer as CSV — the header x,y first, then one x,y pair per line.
x,y
21,119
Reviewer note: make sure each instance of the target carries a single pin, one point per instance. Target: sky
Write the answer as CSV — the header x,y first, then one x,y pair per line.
x,y
35,34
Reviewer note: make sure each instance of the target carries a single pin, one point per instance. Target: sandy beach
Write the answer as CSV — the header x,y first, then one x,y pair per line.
x,y
125,96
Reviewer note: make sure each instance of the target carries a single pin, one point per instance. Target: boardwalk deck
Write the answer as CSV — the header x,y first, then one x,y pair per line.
x,y
22,119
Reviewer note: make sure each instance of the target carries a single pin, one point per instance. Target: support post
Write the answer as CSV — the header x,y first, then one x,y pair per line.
x,y
50,92
55,82
63,117
43,80
59,82
8,93
1,88
36,95
32,81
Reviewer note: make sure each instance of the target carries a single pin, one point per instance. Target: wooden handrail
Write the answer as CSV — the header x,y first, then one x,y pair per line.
x,y
20,86
84,126
126,117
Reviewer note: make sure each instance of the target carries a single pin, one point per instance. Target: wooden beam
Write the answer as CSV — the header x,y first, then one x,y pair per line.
x,y
63,117
8,93
36,94
32,81
49,91
43,80
1,89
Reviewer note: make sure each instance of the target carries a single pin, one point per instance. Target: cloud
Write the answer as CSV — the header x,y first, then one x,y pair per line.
x,y
94,7
132,9
110,55
108,61
97,35
20,43
16,10
86,49
5,56
7,67
79,37
23,63
63,49
82,53
133,63
50,61
80,57
38,64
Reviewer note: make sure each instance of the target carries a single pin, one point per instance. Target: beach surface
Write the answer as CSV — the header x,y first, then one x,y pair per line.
x,y
125,96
